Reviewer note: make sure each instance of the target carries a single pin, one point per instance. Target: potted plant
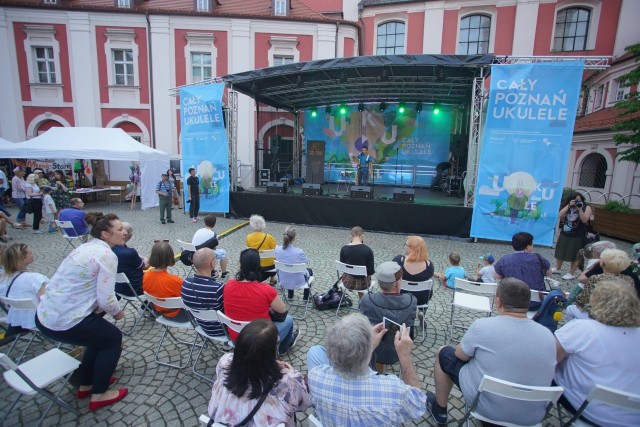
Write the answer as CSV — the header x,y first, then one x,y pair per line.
x,y
616,219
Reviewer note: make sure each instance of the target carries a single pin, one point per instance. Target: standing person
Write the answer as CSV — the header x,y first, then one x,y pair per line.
x,y
41,180
574,216
416,266
61,192
173,179
164,190
357,253
193,182
75,301
365,165
50,210
18,193
3,187
35,196
291,254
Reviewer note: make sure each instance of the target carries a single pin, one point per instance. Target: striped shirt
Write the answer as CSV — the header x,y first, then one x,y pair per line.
x,y
165,187
204,293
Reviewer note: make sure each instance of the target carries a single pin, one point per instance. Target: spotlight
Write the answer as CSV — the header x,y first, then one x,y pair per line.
x,y
361,107
343,109
436,109
314,112
401,108
418,106
328,109
383,106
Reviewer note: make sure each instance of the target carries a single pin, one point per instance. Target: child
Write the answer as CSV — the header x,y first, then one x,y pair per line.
x,y
484,273
449,276
49,208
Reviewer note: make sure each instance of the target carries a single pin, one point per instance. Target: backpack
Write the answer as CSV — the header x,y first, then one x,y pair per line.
x,y
186,257
331,299
550,312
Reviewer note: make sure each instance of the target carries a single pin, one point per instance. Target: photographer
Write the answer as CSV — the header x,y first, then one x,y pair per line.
x,y
574,217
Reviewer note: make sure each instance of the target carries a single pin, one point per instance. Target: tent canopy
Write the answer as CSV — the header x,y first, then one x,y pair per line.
x,y
99,144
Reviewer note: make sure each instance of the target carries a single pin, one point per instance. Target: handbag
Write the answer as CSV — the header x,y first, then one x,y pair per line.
x,y
28,207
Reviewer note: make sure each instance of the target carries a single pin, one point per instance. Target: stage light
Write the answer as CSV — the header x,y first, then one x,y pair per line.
x,y
383,106
328,109
314,112
436,109
418,106
361,107
401,108
343,109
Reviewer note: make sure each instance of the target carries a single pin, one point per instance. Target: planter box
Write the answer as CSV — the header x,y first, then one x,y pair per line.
x,y
625,226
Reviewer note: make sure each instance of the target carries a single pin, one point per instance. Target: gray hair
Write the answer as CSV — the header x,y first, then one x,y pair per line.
x,y
257,223
599,247
349,345
128,228
385,286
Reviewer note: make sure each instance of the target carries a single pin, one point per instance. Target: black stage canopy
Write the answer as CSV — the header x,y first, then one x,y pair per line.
x,y
445,79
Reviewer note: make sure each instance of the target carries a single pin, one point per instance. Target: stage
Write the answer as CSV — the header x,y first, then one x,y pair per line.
x,y
432,213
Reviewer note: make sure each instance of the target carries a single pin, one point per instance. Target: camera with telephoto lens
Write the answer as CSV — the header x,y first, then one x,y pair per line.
x,y
579,204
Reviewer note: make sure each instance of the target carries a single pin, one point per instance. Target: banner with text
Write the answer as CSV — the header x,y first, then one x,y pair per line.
x,y
204,145
525,149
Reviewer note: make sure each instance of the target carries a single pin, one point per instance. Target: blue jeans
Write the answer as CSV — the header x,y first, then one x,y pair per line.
x,y
285,333
317,356
21,214
2,207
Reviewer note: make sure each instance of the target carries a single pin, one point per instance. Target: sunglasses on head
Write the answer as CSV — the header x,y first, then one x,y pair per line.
x,y
163,240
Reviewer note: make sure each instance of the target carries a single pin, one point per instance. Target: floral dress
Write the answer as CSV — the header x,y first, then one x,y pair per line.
x,y
61,198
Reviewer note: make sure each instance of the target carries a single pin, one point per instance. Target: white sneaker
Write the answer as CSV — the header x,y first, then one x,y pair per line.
x,y
194,220
37,232
555,270
568,276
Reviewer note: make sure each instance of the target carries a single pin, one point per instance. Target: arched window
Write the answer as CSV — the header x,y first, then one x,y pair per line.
x,y
390,38
473,38
572,27
593,172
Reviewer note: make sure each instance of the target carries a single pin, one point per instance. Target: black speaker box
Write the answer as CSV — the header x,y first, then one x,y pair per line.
x,y
311,190
403,195
361,192
277,187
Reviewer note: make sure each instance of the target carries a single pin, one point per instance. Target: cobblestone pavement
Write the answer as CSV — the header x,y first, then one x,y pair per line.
x,y
163,396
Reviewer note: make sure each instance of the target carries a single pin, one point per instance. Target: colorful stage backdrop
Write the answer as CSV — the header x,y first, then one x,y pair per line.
x,y
204,144
406,147
525,149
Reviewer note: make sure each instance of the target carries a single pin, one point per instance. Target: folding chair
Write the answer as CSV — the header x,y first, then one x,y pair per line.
x,y
606,395
174,303
268,254
69,233
235,325
115,192
353,270
426,285
143,309
465,296
23,304
209,316
187,247
204,420
300,268
313,421
35,375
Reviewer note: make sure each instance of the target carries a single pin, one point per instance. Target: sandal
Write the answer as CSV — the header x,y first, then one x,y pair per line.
x,y
17,226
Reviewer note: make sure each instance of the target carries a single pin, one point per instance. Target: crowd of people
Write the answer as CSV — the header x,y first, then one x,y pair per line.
x,y
345,380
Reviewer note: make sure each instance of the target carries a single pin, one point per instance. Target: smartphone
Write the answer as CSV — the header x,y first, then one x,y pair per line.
x,y
390,325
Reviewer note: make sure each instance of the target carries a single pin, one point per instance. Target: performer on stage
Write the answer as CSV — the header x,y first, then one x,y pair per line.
x,y
365,165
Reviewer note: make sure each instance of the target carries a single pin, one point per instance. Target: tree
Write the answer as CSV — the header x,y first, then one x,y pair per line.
x,y
631,113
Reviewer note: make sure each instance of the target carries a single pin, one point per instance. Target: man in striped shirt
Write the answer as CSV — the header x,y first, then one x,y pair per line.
x,y
202,292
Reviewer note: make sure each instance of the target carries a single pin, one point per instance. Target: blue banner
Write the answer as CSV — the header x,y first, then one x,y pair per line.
x,y
204,144
525,149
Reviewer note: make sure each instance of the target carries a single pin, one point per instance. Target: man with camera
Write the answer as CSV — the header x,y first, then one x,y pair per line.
x,y
574,221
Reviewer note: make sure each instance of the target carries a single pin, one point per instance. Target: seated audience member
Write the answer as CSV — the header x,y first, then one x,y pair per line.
x,y
455,270
357,253
202,292
17,282
416,266
596,269
510,347
291,254
613,263
246,298
602,350
129,263
161,284
389,303
525,265
207,238
260,240
252,377
485,271
345,391
76,215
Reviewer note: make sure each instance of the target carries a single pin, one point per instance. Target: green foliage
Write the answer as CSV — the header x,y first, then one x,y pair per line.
x,y
631,106
616,206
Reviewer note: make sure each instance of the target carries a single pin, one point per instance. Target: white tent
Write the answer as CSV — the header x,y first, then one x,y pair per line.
x,y
99,144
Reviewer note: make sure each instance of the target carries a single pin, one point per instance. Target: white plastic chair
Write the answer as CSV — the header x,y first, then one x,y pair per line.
x,y
353,270
35,375
606,395
300,268
187,247
23,304
235,325
474,296
268,254
426,285
208,316
313,421
140,309
513,391
69,233
172,303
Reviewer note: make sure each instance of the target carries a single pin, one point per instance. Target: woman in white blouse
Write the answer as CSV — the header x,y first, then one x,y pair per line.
x,y
75,301
35,196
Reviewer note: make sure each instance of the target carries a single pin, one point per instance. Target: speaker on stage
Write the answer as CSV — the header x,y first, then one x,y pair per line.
x,y
311,190
361,192
277,187
404,195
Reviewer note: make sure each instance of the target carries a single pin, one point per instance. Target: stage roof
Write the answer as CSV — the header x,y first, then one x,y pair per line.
x,y
445,79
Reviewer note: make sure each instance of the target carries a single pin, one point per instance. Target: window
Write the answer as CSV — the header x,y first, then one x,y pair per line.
x,y
123,67
50,1
593,172
473,38
284,50
597,97
45,64
280,7
621,91
572,26
123,3
200,66
203,5
282,60
390,39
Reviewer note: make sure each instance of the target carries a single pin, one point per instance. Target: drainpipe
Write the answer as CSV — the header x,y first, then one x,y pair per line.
x,y
336,43
151,103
